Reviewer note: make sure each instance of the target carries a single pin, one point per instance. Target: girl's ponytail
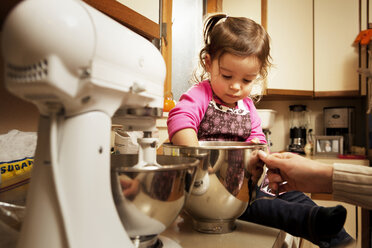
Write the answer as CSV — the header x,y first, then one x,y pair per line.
x,y
210,22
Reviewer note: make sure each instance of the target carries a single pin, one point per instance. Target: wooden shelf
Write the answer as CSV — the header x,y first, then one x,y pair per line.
x,y
277,94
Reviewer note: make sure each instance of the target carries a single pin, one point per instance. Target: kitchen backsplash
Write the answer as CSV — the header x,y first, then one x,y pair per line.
x,y
280,131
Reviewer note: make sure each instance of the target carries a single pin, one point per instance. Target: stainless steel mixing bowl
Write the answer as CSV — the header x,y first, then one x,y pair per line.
x,y
149,199
224,185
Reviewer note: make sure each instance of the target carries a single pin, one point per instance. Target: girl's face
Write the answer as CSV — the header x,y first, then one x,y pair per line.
x,y
232,76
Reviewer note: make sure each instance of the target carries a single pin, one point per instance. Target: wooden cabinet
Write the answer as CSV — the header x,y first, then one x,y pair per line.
x,y
312,45
290,26
336,25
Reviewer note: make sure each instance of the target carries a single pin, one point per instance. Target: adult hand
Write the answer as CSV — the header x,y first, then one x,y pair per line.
x,y
289,171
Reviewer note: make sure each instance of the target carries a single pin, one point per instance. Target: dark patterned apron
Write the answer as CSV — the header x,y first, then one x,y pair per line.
x,y
224,123
221,123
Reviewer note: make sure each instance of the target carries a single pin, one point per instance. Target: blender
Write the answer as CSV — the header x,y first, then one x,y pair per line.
x,y
298,126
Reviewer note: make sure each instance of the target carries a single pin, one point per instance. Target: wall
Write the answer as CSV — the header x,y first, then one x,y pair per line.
x,y
14,112
280,131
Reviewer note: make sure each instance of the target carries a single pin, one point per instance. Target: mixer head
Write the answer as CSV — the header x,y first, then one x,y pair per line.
x,y
79,59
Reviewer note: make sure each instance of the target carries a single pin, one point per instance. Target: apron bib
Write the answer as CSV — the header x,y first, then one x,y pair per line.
x,y
224,123
221,123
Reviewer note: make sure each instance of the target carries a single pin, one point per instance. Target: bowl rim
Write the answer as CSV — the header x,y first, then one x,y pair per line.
x,y
194,162
228,145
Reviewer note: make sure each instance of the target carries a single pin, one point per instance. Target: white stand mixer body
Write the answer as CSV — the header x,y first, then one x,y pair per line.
x,y
78,66
90,218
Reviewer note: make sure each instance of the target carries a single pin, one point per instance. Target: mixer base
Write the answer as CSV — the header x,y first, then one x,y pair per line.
x,y
154,242
168,243
150,241
214,226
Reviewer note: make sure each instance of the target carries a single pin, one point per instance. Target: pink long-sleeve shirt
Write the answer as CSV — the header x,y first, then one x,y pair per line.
x,y
190,110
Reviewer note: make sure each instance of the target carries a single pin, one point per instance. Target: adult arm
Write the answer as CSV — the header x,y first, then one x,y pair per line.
x,y
347,183
353,184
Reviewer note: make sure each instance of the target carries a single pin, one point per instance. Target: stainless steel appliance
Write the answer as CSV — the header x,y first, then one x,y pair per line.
x,y
340,121
298,126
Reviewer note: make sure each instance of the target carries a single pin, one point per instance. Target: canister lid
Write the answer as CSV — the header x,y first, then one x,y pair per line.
x,y
297,108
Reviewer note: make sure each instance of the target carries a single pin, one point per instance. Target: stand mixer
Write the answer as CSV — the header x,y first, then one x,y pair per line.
x,y
79,66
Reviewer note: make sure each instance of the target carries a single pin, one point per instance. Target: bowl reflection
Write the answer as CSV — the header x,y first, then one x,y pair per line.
x,y
149,199
224,184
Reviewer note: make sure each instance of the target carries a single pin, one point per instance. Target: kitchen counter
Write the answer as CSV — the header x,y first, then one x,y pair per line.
x,y
331,160
181,235
246,234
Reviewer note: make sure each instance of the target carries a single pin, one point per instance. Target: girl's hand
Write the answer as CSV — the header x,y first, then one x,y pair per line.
x,y
255,140
255,167
130,187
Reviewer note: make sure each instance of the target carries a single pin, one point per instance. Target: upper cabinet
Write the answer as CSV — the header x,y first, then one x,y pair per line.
x,y
290,26
311,45
336,25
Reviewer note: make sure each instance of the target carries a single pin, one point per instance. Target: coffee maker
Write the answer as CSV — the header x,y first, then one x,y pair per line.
x,y
298,126
340,121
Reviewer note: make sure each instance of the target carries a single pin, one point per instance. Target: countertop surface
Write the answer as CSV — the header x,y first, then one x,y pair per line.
x,y
246,234
331,160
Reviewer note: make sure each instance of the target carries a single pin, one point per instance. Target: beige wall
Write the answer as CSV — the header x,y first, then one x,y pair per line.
x,y
280,131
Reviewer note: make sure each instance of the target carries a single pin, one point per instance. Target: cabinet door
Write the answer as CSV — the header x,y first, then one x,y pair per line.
x,y
290,26
336,25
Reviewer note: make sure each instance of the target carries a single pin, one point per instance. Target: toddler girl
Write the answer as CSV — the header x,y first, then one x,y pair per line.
x,y
236,56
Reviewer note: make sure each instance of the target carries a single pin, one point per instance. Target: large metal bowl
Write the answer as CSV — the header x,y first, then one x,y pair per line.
x,y
149,199
223,186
